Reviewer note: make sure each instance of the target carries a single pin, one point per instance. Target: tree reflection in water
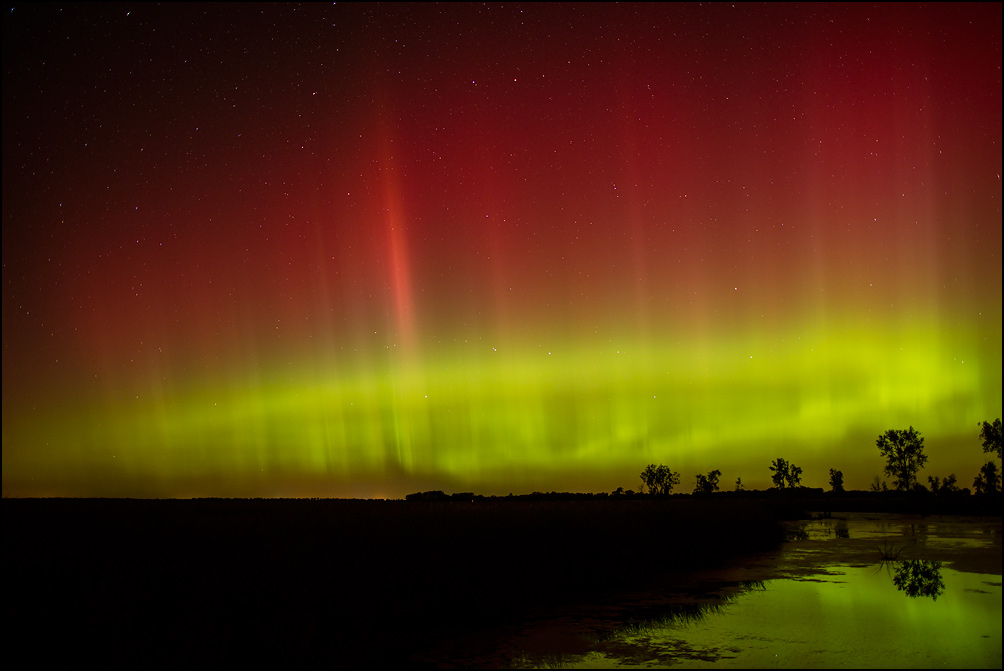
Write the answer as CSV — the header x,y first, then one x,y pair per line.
x,y
919,577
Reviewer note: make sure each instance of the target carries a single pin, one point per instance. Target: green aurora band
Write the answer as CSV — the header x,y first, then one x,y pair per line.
x,y
582,416
362,250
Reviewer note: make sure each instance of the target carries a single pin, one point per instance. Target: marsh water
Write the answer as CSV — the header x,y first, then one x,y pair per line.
x,y
846,590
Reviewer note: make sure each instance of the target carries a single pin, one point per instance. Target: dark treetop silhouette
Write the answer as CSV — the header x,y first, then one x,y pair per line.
x,y
988,481
659,479
991,435
706,484
786,475
836,480
903,451
947,486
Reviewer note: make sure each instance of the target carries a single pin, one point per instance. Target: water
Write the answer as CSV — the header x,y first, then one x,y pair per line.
x,y
853,617
854,590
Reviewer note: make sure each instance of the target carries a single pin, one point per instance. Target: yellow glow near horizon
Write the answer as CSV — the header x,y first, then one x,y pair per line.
x,y
568,415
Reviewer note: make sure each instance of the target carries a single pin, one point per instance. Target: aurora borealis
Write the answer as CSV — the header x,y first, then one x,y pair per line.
x,y
366,249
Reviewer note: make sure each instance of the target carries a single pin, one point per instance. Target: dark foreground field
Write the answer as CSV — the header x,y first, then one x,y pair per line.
x,y
332,582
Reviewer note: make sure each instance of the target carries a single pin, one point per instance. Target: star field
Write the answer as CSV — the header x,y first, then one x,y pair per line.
x,y
363,250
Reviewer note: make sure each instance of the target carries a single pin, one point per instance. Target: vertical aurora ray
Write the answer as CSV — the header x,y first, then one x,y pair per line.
x,y
399,438
474,267
536,416
401,287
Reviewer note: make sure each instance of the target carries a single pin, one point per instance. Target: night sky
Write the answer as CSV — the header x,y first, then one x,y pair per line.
x,y
365,250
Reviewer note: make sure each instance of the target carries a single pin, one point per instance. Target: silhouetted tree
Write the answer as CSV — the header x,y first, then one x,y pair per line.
x,y
739,484
707,484
785,474
989,480
836,480
659,479
904,455
879,485
946,486
780,468
991,435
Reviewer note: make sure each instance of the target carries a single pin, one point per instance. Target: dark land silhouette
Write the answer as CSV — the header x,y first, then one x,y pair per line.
x,y
346,582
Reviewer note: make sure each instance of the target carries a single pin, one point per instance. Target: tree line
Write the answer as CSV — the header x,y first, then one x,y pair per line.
x,y
902,449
